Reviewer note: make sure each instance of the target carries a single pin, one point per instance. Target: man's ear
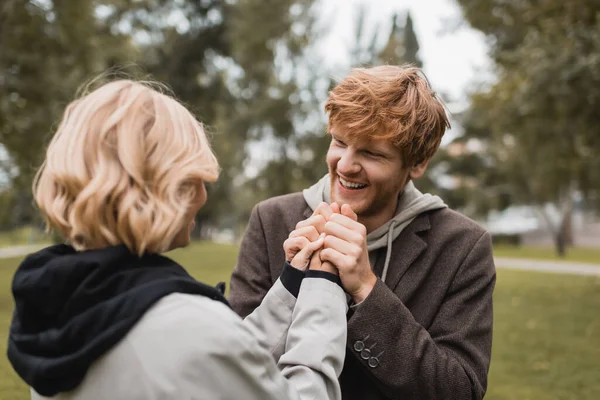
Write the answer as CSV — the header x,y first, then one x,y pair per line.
x,y
417,170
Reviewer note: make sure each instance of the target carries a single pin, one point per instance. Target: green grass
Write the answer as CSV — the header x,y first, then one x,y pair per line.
x,y
546,337
578,254
22,236
546,331
209,262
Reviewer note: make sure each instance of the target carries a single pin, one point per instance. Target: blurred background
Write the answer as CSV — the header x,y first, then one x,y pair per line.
x,y
521,79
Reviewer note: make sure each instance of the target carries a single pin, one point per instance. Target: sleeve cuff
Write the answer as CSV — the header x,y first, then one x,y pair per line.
x,y
291,278
311,273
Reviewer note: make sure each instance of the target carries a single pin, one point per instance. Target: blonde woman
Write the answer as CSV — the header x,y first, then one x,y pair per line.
x,y
108,317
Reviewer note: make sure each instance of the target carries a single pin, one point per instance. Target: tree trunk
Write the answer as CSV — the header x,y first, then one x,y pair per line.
x,y
202,230
558,231
567,226
564,234
560,243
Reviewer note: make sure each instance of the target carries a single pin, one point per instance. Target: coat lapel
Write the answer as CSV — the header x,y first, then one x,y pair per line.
x,y
405,250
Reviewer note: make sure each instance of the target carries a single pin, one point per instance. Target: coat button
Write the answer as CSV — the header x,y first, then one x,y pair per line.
x,y
359,345
373,362
365,354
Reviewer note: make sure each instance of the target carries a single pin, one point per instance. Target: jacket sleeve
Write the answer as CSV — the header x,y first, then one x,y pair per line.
x,y
251,279
450,359
270,321
313,358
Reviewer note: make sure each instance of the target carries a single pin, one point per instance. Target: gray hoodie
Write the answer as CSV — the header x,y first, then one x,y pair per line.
x,y
410,204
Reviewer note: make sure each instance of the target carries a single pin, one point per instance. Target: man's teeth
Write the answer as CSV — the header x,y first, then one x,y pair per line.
x,y
351,185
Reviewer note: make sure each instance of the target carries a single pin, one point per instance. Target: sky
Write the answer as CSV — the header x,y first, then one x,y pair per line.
x,y
454,55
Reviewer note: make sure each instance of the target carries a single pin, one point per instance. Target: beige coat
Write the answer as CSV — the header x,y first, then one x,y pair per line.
x,y
190,347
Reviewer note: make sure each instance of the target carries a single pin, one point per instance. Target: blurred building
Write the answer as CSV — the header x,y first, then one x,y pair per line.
x,y
532,228
528,225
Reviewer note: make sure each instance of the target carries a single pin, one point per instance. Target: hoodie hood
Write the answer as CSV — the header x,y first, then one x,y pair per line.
x,y
410,204
71,307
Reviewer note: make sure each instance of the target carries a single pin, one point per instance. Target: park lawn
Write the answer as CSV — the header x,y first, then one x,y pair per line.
x,y
578,254
30,235
23,236
546,329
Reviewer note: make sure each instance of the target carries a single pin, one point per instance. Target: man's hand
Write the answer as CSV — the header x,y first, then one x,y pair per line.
x,y
324,210
346,247
308,231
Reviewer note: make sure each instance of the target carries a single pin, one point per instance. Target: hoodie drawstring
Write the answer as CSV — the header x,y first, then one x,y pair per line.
x,y
388,253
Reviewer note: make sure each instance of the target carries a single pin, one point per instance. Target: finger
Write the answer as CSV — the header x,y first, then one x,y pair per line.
x,y
341,246
348,212
302,259
335,257
293,245
335,208
348,223
316,244
323,209
352,235
309,232
318,221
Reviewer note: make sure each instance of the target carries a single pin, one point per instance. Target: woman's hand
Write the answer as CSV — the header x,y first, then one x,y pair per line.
x,y
302,249
317,264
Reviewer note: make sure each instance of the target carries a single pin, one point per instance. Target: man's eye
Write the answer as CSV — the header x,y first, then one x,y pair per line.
x,y
339,142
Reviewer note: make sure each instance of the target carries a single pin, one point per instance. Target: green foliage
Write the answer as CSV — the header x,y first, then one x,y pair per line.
x,y
402,46
248,72
539,120
234,64
48,49
537,123
589,255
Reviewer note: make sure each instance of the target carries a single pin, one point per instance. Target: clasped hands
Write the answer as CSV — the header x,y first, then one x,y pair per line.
x,y
333,240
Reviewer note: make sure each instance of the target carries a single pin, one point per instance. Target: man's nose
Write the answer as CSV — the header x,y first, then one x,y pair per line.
x,y
348,163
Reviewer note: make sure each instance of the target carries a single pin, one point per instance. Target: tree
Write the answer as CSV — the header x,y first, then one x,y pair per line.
x,y
538,122
224,60
402,46
47,49
411,44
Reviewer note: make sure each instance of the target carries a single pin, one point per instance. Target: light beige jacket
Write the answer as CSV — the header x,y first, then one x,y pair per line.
x,y
190,347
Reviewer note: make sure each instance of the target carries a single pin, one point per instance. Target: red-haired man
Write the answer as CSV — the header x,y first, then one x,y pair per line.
x,y
419,277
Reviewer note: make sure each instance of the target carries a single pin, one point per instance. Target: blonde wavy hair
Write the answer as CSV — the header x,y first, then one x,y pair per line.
x,y
122,168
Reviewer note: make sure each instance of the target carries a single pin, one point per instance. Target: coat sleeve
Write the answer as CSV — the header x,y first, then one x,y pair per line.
x,y
270,321
450,359
251,277
313,358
